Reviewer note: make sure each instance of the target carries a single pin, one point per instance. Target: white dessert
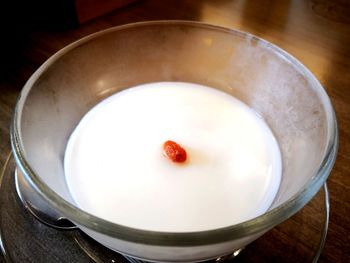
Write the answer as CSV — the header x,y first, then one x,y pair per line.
x,y
116,170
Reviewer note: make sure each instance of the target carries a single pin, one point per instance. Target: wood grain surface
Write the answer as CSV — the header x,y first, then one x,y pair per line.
x,y
317,32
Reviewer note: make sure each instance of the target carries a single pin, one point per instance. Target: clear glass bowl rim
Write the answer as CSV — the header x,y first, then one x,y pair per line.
x,y
182,239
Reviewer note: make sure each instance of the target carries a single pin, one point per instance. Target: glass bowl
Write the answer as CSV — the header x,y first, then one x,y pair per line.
x,y
266,78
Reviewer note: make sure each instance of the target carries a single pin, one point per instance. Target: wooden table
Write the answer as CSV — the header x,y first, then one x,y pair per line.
x,y
317,32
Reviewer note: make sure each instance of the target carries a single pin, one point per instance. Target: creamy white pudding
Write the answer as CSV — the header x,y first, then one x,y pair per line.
x,y
115,167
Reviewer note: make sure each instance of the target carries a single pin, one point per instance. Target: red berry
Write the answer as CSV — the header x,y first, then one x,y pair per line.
x,y
174,152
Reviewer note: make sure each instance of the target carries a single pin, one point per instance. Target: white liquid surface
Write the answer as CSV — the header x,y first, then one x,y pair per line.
x,y
115,168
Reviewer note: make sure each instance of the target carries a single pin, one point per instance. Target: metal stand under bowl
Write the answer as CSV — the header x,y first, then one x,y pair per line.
x,y
23,238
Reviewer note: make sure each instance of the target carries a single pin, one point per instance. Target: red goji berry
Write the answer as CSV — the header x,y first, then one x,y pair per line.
x,y
174,152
